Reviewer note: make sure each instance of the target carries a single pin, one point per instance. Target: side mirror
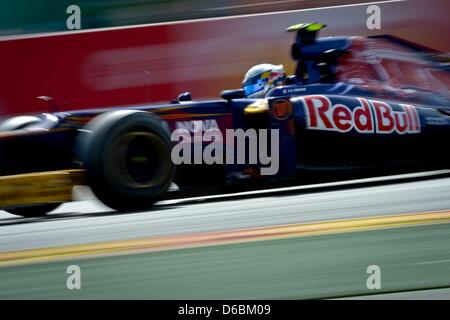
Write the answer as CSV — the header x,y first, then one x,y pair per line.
x,y
232,94
185,96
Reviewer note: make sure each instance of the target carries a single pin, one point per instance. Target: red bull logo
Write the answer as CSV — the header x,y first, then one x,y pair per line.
x,y
370,116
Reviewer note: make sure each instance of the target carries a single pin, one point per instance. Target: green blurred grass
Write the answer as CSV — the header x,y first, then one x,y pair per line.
x,y
307,267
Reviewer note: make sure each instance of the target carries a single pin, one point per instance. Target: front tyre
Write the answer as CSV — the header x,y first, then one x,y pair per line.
x,y
126,154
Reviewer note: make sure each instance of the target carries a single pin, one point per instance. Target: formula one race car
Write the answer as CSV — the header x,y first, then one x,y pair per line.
x,y
371,104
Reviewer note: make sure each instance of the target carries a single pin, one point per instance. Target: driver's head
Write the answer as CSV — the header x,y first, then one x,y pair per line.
x,y
261,78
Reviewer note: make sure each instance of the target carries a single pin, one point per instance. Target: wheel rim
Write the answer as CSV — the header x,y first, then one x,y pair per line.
x,y
139,160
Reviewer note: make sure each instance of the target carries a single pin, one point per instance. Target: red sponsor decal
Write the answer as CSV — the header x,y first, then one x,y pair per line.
x,y
370,116
363,117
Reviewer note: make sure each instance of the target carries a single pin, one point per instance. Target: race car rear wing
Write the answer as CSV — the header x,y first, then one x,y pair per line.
x,y
439,58
316,56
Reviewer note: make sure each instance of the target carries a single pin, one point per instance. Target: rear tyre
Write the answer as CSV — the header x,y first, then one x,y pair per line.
x,y
126,155
37,210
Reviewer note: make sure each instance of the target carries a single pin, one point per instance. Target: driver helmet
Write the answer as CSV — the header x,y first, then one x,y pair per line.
x,y
261,78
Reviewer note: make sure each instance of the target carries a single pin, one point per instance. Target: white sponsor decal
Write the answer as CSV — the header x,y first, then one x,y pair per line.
x,y
197,125
234,147
370,116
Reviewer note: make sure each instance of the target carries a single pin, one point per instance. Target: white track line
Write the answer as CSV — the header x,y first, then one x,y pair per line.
x,y
249,5
423,263
398,177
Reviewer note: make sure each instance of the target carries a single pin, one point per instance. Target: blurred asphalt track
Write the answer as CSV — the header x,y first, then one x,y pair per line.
x,y
322,265
310,265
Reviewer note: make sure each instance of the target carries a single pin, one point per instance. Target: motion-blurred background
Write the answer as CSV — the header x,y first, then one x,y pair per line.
x,y
142,51
24,16
128,52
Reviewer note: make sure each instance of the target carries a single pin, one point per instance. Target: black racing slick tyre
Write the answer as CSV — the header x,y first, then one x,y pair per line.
x,y
37,210
126,154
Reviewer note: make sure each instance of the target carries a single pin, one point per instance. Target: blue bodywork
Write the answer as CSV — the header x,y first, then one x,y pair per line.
x,y
393,128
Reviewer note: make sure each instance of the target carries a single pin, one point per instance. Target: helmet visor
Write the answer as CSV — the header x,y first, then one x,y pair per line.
x,y
252,88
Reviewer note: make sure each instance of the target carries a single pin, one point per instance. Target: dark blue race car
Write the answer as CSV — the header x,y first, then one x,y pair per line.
x,y
354,105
